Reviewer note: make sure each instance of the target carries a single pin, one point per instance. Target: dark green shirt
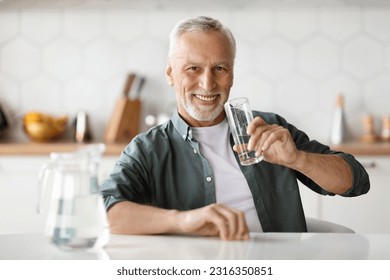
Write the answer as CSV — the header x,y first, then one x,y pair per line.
x,y
164,168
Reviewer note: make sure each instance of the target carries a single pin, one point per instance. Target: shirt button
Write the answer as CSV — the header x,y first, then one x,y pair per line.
x,y
195,151
184,136
208,179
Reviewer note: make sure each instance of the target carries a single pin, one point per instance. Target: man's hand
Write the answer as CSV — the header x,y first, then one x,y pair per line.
x,y
215,220
274,142
127,217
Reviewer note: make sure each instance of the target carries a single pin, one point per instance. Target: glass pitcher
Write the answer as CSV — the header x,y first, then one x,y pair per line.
x,y
69,191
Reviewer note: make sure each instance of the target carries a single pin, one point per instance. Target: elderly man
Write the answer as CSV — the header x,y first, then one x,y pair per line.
x,y
184,177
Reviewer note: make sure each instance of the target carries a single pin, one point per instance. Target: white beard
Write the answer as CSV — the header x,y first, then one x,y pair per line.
x,y
202,113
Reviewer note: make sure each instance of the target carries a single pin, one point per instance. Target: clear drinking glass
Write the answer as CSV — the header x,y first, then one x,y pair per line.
x,y
239,116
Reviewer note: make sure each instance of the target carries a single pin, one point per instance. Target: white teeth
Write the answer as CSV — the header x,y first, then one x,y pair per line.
x,y
206,98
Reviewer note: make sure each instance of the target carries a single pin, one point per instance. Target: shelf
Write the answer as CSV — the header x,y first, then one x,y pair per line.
x,y
33,148
362,149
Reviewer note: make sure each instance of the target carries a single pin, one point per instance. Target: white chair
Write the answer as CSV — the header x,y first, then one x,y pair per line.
x,y
316,225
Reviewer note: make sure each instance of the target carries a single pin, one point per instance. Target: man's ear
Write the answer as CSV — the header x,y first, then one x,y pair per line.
x,y
168,75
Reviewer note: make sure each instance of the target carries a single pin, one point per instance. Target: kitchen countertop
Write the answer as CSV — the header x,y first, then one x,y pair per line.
x,y
33,148
271,246
363,149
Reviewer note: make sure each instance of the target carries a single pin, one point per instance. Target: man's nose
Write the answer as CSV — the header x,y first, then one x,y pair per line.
x,y
207,80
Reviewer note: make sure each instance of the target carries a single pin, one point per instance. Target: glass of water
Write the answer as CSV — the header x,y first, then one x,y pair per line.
x,y
239,116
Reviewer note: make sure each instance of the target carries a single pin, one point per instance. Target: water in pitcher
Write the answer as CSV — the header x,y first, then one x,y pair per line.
x,y
79,223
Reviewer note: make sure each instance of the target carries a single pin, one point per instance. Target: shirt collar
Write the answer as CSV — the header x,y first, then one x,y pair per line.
x,y
181,126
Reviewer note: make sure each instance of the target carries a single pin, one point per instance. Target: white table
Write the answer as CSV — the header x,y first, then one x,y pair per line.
x,y
271,246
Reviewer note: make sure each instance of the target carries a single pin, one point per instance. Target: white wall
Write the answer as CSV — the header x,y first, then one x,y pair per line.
x,y
292,60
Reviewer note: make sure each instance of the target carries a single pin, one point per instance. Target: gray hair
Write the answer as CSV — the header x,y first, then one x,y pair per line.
x,y
200,23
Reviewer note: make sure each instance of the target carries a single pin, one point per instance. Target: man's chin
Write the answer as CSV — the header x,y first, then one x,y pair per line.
x,y
205,117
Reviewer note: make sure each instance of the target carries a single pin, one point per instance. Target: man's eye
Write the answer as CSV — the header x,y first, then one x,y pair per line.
x,y
193,68
219,68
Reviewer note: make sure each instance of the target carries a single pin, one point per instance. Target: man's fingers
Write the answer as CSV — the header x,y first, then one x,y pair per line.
x,y
216,219
242,230
234,224
219,220
230,221
256,122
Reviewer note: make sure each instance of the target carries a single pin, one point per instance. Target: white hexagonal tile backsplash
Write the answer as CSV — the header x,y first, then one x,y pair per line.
x,y
377,22
103,58
82,26
275,57
378,89
363,56
124,26
296,24
253,25
42,30
340,23
298,96
20,59
8,25
319,57
61,59
293,61
41,94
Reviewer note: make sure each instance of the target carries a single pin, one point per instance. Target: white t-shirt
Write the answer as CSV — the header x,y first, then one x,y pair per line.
x,y
231,186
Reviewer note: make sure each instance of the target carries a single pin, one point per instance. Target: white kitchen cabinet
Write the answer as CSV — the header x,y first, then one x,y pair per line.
x,y
364,214
19,192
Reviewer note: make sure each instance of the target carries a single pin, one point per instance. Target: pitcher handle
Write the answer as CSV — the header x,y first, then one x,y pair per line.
x,y
43,177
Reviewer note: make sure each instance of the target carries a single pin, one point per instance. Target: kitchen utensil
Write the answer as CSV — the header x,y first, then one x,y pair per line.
x,y
3,119
339,128
82,132
369,135
124,122
385,129
69,192
138,85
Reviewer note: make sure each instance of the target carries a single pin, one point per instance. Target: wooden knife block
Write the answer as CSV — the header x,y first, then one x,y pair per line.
x,y
124,123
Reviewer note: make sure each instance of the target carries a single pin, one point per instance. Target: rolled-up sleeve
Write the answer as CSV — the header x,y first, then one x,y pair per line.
x,y
129,170
360,177
360,180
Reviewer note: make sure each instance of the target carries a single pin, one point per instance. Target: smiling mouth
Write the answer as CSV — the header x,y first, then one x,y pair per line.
x,y
206,98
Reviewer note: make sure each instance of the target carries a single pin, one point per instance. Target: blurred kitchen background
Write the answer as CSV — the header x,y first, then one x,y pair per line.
x,y
63,57
293,57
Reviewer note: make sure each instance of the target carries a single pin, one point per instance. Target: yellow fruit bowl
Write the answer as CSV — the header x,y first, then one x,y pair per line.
x,y
42,127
